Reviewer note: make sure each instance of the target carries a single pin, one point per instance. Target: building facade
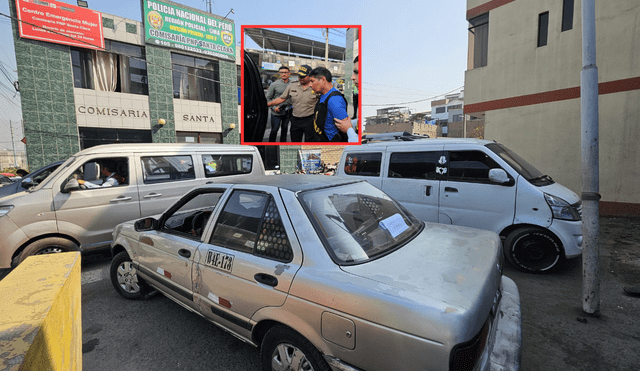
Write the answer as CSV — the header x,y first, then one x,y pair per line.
x,y
523,85
75,97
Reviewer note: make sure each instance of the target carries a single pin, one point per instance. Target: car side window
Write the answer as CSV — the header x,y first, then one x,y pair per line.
x,y
221,165
363,164
470,166
413,165
190,219
159,169
251,223
100,173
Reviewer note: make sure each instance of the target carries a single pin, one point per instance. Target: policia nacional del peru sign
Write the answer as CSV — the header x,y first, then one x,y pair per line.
x,y
179,27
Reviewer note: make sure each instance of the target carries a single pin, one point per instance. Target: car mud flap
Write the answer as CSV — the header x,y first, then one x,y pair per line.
x,y
505,355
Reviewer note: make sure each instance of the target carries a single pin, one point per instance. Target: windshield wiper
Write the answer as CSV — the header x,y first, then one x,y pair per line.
x,y
541,177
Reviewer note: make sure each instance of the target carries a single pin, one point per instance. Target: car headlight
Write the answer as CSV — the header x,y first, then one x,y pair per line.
x,y
561,208
4,210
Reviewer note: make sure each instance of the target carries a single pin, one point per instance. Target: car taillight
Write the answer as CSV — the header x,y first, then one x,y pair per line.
x,y
465,356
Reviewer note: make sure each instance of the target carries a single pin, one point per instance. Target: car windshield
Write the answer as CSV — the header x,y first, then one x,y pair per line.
x,y
525,169
358,222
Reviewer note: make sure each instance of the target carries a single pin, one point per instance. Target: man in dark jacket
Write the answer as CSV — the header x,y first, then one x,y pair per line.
x,y
330,106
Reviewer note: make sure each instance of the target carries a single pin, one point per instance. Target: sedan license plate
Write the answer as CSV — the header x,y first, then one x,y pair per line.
x,y
219,260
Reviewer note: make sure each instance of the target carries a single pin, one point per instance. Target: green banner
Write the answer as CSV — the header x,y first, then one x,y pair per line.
x,y
179,27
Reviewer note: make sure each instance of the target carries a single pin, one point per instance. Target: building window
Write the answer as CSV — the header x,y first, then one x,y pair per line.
x,y
441,110
197,137
82,64
567,15
543,28
121,68
195,78
480,34
456,118
454,107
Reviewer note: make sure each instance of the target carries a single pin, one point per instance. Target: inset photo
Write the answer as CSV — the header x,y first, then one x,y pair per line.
x,y
300,85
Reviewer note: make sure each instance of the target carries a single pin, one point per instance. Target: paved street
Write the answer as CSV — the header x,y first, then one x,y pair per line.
x,y
158,334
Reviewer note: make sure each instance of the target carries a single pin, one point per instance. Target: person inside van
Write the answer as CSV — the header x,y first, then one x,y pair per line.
x,y
108,170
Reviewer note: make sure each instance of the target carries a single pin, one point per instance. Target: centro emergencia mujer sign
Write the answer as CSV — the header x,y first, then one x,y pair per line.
x,y
175,26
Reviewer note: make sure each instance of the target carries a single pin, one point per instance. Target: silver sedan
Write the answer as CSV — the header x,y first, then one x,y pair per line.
x,y
322,273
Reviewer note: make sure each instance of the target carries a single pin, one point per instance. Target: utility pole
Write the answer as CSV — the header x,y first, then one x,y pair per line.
x,y
209,5
13,144
326,47
590,163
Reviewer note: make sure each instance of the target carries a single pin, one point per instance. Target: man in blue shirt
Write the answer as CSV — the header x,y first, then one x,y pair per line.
x,y
330,106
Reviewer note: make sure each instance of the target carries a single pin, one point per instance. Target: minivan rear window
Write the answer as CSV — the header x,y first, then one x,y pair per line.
x,y
158,169
221,165
363,164
413,165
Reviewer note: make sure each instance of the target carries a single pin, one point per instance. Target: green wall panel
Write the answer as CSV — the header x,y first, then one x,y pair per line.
x,y
44,72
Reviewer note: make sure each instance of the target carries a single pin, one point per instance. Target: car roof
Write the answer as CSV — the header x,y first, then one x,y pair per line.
x,y
421,142
293,183
160,147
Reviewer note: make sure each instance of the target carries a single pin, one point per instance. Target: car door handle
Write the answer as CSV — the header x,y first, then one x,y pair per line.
x,y
153,195
120,199
184,253
266,279
209,182
451,189
428,192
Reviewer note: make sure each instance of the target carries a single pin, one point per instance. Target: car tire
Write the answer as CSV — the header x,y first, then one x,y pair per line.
x,y
51,245
533,250
282,346
125,279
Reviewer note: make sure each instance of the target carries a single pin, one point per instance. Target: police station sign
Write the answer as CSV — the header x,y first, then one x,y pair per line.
x,y
179,27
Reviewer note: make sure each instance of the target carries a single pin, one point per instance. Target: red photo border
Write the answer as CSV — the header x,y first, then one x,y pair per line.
x,y
359,27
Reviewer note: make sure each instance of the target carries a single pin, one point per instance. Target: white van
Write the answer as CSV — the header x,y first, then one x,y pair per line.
x,y
63,214
475,183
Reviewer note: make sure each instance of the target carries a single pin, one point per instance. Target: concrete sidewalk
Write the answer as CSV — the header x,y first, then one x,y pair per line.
x,y
557,335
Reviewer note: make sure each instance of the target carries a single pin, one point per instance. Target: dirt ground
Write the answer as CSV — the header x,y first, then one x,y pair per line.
x,y
557,335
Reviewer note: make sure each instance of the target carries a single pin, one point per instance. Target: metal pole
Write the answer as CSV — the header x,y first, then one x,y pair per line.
x,y
326,48
590,162
13,144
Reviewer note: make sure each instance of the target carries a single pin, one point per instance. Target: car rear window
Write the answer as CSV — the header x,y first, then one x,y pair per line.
x,y
363,163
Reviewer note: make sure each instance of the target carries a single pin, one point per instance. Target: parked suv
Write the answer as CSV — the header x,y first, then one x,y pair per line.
x,y
64,213
475,183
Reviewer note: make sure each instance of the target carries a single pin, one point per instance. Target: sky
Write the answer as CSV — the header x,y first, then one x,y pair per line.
x,y
411,50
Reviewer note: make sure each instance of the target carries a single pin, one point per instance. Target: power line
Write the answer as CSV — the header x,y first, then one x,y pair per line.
x,y
415,101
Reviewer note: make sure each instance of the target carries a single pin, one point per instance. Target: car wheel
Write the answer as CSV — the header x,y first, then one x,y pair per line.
x,y
51,245
124,277
533,250
284,349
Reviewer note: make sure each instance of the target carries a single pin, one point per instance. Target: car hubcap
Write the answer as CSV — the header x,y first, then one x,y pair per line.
x,y
286,357
128,278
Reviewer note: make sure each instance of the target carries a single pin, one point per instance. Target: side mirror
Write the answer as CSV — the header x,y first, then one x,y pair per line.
x,y
69,185
146,224
27,183
498,176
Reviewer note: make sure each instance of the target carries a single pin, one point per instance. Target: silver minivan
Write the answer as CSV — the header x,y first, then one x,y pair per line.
x,y
63,214
475,183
